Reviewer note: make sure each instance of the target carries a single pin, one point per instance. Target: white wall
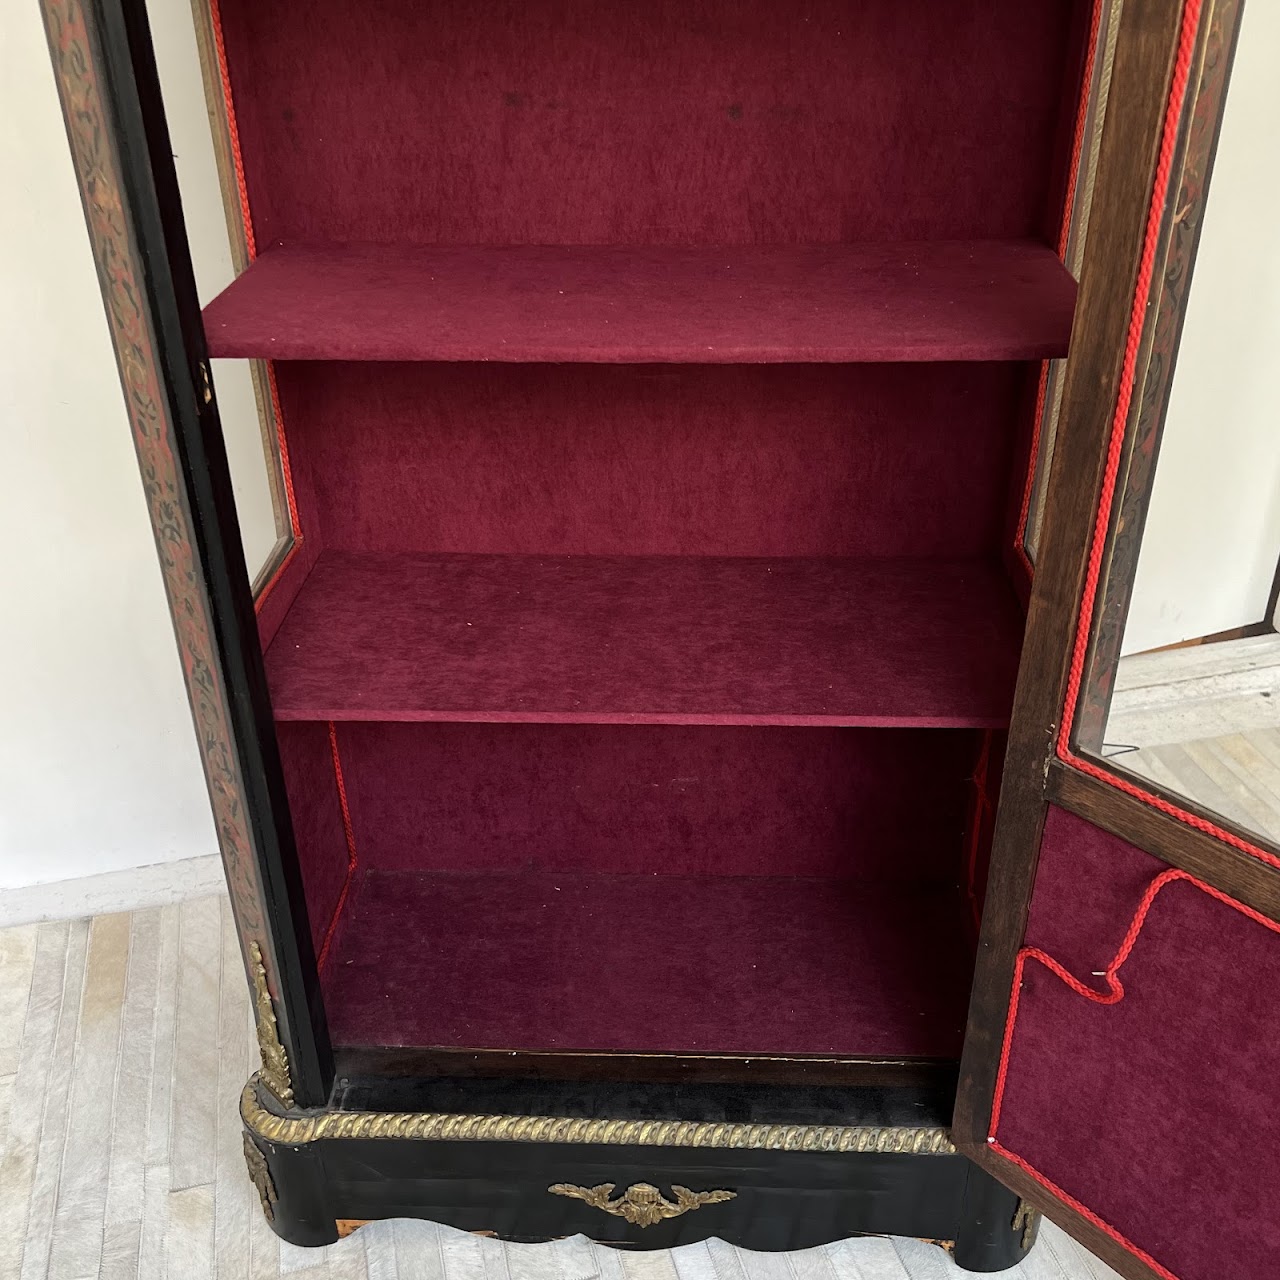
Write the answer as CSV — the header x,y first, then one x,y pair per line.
x,y
1213,532
178,60
98,763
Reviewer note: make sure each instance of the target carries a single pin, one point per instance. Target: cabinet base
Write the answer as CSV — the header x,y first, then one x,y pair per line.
x,y
636,1184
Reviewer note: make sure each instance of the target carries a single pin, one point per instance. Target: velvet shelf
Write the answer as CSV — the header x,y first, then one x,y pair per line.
x,y
649,963
648,639
924,301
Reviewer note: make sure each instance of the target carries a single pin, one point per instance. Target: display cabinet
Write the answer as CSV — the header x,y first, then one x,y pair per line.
x,y
653,772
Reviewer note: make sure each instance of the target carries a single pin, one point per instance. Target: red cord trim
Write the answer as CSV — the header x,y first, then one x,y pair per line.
x,y
285,469
233,132
1113,994
251,247
1128,372
1141,297
349,832
1064,237
275,577
1059,1194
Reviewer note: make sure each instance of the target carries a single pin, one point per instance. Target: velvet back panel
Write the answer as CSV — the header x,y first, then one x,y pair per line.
x,y
649,121
659,799
809,460
1157,1112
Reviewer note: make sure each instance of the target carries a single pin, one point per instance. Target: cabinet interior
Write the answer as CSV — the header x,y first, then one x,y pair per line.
x,y
656,383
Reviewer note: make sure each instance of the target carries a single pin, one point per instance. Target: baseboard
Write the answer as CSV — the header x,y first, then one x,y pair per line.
x,y
154,886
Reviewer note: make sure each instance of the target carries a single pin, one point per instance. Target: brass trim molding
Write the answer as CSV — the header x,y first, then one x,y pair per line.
x,y
275,1061
641,1204
315,1126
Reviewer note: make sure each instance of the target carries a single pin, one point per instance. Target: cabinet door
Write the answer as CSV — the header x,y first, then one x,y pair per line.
x,y
1119,1066
106,79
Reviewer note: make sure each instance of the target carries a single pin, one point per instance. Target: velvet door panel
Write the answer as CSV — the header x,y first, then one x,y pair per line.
x,y
575,122
870,804
1158,1110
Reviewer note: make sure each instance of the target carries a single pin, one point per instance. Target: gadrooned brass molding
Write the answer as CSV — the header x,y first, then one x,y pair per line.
x,y
275,1061
641,1204
315,1126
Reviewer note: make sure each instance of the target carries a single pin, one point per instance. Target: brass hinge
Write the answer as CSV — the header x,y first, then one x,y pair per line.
x,y
206,387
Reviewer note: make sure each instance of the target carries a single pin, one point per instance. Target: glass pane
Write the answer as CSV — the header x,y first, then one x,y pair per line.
x,y
1184,682
193,108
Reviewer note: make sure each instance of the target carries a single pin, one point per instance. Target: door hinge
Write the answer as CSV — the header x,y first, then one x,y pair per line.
x,y
206,387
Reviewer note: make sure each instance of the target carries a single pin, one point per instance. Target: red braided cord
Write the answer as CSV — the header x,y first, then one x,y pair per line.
x,y
1177,95
1064,236
251,247
1128,371
349,832
286,471
1113,994
233,132
1058,1193
275,578
1077,140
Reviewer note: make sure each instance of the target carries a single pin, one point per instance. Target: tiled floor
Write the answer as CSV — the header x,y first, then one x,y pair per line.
x,y
124,1042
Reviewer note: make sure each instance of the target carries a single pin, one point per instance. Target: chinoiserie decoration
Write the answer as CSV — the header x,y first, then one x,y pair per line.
x,y
643,1204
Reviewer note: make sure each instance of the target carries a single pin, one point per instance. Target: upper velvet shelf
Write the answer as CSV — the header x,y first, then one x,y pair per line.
x,y
928,301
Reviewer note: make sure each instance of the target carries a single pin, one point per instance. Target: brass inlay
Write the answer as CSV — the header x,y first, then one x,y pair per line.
x,y
314,1126
643,1204
275,1061
260,1175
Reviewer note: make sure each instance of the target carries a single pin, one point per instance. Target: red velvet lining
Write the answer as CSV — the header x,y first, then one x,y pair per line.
x,y
871,804
658,640
708,123
696,460
1148,1099
969,300
317,822
717,125
662,964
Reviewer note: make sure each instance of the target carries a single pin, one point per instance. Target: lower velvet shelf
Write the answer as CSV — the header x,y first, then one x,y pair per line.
x,y
583,962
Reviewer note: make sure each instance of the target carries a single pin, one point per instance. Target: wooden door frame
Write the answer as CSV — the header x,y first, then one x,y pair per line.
x,y
110,94
1145,205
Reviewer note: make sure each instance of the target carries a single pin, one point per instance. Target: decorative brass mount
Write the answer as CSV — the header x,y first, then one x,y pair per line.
x,y
1026,1222
643,1204
260,1176
275,1061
